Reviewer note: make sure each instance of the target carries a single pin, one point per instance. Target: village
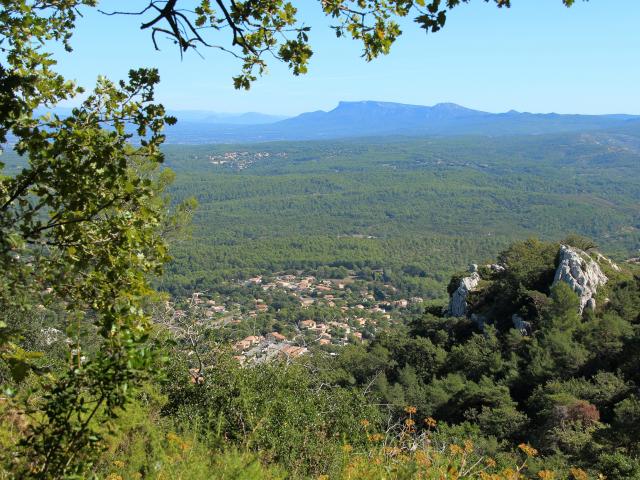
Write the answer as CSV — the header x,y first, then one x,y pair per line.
x,y
242,160
290,315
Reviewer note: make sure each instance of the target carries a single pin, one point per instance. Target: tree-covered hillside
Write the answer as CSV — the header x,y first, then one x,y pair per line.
x,y
352,365
524,362
392,203
442,397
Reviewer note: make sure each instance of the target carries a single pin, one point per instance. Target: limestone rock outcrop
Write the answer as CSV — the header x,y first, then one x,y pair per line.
x,y
582,273
458,301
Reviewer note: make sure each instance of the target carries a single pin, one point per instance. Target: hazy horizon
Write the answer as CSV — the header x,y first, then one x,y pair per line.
x,y
327,109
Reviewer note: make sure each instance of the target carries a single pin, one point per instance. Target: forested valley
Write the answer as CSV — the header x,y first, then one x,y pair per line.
x,y
428,206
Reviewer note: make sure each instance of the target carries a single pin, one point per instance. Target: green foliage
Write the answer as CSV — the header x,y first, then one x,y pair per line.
x,y
627,421
80,229
578,241
566,386
280,411
420,209
144,445
530,264
82,220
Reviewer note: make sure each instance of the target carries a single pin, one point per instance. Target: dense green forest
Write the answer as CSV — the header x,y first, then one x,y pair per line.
x,y
483,395
435,204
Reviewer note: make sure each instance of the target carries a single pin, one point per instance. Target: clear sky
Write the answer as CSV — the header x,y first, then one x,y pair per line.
x,y
537,56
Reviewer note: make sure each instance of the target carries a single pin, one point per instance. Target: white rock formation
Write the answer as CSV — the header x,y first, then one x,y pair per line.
x,y
583,274
458,302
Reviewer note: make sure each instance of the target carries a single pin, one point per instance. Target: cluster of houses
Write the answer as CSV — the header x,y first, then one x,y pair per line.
x,y
242,160
310,291
355,316
257,349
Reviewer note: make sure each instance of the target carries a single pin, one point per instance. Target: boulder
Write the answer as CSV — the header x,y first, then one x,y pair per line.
x,y
583,274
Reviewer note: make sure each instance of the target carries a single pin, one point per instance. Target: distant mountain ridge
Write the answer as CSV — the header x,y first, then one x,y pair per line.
x,y
371,118
247,118
196,116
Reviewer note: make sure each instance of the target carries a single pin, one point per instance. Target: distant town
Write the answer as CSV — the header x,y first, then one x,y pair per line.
x,y
242,160
287,315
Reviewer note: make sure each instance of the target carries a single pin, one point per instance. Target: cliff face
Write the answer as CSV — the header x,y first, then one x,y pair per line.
x,y
583,274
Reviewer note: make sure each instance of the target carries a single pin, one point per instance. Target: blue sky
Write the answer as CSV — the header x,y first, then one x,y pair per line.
x,y
537,56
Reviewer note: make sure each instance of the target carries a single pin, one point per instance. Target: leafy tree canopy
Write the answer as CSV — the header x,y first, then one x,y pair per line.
x,y
81,231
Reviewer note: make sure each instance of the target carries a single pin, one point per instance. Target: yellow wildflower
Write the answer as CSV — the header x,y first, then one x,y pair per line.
x,y
456,449
546,475
118,463
410,410
510,474
422,458
528,450
578,474
430,422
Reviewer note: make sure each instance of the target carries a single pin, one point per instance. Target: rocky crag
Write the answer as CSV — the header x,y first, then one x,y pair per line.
x,y
582,273
458,301
578,269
